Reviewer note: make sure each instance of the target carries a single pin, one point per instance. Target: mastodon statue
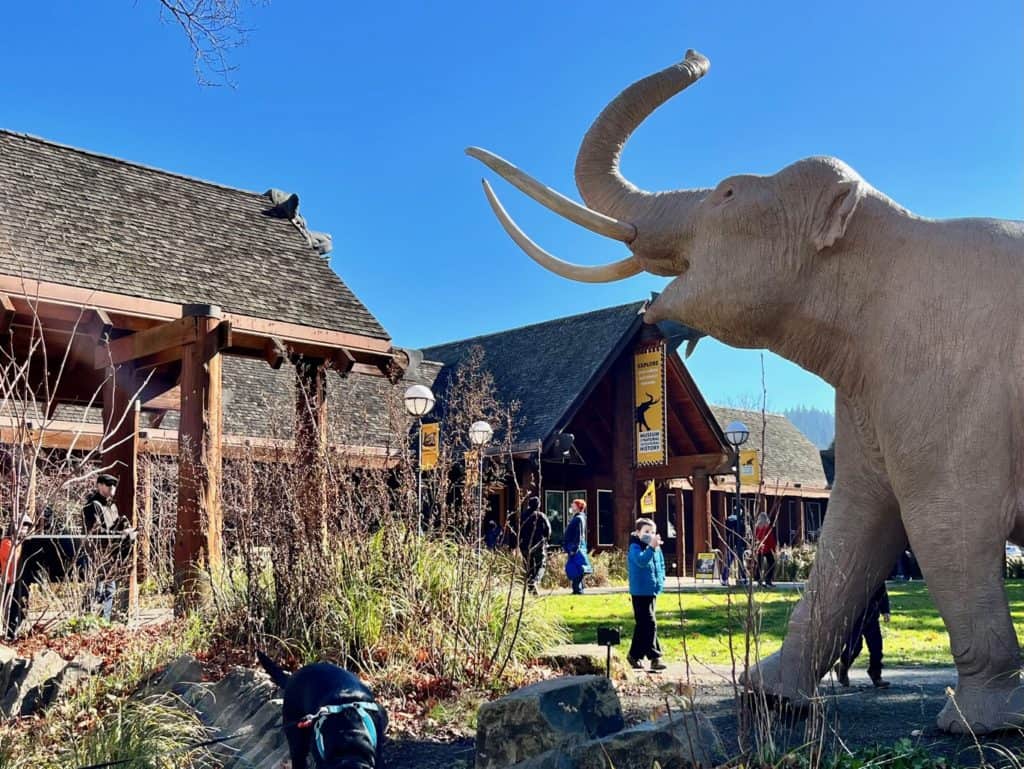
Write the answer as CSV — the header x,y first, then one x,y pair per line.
x,y
917,323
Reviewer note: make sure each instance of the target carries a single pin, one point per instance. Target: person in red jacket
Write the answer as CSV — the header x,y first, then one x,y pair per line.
x,y
764,536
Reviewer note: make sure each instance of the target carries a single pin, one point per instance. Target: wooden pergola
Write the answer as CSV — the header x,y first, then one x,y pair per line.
x,y
155,355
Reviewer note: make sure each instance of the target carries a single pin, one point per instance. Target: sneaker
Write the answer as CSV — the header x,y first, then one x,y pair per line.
x,y
879,682
658,665
634,663
842,674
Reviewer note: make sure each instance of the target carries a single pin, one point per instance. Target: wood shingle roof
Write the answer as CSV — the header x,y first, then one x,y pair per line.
x,y
76,218
789,456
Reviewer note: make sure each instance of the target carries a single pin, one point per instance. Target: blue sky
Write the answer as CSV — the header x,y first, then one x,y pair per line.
x,y
364,109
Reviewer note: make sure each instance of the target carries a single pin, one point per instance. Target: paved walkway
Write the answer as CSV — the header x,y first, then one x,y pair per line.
x,y
678,585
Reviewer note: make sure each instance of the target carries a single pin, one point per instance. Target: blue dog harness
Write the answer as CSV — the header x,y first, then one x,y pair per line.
x,y
317,719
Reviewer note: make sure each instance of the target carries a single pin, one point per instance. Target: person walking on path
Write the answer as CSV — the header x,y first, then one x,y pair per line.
x,y
574,543
534,533
764,536
866,629
646,580
100,516
735,545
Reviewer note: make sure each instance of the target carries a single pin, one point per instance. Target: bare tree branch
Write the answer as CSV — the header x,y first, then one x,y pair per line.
x,y
214,28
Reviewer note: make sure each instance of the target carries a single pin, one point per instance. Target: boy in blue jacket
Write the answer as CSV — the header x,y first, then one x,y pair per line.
x,y
646,580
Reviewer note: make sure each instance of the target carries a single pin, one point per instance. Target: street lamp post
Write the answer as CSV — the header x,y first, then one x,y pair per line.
x,y
419,400
736,434
480,434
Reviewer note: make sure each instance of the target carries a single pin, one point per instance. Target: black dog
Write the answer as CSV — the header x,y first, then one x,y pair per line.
x,y
330,714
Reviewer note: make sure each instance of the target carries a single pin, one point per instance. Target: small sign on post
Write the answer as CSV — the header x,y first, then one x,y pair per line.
x,y
707,565
609,637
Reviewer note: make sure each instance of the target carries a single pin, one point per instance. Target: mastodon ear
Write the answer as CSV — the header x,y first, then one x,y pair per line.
x,y
835,208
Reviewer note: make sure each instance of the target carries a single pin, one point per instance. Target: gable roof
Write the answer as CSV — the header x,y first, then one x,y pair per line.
x,y
547,366
76,218
789,456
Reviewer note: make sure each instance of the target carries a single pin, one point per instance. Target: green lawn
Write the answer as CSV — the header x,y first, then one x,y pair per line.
x,y
916,635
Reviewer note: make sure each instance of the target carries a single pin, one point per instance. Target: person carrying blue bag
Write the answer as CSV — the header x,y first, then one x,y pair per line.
x,y
646,581
574,543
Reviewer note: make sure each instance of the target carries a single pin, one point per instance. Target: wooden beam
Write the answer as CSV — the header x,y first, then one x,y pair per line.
x,y
343,362
172,336
274,353
7,313
681,467
167,401
148,312
197,545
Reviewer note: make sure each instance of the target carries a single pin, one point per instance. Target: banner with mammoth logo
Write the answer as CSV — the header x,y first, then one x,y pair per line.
x,y
649,406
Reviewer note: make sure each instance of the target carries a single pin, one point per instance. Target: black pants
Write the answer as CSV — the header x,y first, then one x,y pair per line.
x,y
19,607
766,568
870,632
645,634
535,561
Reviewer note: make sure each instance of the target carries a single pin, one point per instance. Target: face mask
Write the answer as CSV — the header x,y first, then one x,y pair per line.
x,y
646,538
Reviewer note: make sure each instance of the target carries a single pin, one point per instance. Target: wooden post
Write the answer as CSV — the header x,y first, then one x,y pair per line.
x,y
623,459
701,514
145,540
198,542
119,454
680,524
311,442
801,533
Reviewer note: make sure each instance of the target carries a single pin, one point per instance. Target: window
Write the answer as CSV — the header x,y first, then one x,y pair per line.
x,y
605,517
554,508
667,523
812,520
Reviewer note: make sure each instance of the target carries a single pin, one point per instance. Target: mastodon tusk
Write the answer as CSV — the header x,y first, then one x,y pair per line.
x,y
606,273
556,201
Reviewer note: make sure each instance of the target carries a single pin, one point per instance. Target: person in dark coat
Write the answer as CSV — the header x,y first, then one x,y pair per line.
x,y
100,516
574,543
735,545
866,630
646,580
534,533
492,536
15,582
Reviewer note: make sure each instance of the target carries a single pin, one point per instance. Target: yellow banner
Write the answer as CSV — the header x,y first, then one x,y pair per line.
x,y
649,406
750,468
430,444
648,502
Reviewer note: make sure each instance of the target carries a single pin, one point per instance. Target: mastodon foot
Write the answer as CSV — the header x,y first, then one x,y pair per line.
x,y
981,709
786,683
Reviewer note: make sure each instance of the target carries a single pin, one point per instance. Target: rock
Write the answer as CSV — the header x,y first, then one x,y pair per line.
x,y
270,747
680,741
81,668
545,716
33,684
183,670
7,657
586,660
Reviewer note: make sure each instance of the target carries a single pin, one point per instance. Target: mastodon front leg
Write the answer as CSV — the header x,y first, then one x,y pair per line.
x,y
859,543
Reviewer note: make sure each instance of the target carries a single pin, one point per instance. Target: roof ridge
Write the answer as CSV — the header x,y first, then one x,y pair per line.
x,y
532,325
125,162
750,411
